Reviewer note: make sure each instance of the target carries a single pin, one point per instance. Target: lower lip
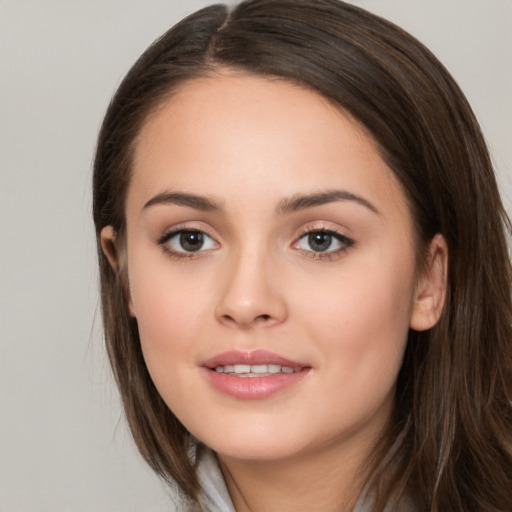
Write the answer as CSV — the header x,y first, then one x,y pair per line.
x,y
253,388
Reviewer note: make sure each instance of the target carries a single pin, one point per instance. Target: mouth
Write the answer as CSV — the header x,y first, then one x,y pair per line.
x,y
253,375
256,370
256,363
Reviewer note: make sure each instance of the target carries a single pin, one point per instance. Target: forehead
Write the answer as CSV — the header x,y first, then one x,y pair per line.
x,y
248,108
219,134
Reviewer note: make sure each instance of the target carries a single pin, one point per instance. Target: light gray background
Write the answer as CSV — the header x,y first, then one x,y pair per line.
x,y
63,446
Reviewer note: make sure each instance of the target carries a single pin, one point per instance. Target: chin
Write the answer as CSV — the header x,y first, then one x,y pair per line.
x,y
267,452
277,449
257,443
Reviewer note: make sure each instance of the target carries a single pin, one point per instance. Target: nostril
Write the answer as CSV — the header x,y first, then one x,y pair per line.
x,y
233,320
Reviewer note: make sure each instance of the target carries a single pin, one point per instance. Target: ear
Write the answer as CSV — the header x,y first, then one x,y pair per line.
x,y
114,256
431,287
109,247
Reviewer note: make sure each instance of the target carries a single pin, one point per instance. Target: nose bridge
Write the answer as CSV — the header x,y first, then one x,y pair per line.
x,y
250,294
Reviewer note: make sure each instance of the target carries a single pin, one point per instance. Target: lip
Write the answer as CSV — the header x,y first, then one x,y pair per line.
x,y
253,388
250,357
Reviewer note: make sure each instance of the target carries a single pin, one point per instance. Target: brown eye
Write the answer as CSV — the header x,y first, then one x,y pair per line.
x,y
187,241
319,241
191,241
323,241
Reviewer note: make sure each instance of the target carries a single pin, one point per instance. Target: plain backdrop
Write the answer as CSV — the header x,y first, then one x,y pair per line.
x,y
63,443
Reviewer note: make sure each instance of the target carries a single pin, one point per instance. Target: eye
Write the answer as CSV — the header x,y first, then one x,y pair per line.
x,y
323,241
187,241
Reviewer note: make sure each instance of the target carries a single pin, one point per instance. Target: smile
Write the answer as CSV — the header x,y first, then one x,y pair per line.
x,y
256,370
253,375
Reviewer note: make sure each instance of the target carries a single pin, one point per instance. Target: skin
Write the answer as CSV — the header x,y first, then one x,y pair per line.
x,y
251,145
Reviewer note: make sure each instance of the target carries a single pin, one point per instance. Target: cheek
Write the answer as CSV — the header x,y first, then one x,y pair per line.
x,y
361,321
169,321
169,308
362,299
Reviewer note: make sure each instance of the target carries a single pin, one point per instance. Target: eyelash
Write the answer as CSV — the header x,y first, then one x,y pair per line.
x,y
164,240
326,255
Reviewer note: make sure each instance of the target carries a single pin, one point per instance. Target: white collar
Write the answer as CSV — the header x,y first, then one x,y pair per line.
x,y
214,496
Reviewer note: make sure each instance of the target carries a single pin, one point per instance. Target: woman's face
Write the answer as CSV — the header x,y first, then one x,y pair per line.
x,y
271,268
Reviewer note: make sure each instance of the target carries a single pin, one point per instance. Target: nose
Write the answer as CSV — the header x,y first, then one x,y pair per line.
x,y
251,296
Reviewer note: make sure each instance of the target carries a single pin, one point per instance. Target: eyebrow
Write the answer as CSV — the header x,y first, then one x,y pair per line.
x,y
183,199
302,202
288,205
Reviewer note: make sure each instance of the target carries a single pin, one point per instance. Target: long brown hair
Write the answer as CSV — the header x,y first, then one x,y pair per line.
x,y
452,427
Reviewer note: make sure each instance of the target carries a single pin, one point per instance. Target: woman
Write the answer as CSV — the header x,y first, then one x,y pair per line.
x,y
304,270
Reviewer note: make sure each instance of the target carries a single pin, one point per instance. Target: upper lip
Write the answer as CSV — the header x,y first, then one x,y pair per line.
x,y
254,357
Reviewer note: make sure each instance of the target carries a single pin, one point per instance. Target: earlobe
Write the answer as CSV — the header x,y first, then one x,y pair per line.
x,y
113,254
431,288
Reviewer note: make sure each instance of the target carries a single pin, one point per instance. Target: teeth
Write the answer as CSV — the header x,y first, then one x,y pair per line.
x,y
245,370
242,368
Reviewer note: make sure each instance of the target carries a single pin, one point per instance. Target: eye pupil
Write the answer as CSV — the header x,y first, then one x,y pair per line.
x,y
191,240
319,241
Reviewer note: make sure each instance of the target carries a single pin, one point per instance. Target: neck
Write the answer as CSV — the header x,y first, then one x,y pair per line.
x,y
330,480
